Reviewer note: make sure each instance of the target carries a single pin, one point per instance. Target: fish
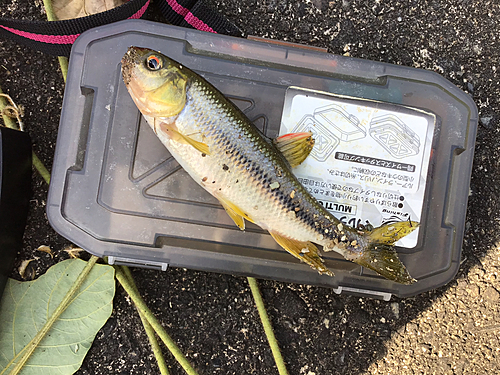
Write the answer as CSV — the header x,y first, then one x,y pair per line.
x,y
248,173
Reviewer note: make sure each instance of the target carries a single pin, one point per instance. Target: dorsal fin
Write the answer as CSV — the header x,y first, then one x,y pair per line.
x,y
295,147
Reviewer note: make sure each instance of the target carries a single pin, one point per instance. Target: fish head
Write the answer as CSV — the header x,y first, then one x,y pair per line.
x,y
155,82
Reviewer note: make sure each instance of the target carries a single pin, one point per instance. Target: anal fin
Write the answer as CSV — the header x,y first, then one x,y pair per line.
x,y
295,147
173,133
303,250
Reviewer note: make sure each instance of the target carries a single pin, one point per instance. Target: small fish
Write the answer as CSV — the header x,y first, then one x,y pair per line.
x,y
249,174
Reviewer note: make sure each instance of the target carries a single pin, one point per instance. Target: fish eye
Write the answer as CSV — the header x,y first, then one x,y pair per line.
x,y
153,62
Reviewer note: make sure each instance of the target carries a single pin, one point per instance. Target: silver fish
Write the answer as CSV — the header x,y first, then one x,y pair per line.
x,y
250,175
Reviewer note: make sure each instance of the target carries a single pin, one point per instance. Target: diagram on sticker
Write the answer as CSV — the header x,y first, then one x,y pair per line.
x,y
343,124
395,136
330,125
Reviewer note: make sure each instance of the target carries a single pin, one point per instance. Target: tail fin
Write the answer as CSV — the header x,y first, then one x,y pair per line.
x,y
380,255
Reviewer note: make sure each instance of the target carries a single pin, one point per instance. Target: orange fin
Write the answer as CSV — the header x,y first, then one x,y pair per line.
x,y
234,212
174,134
305,251
295,147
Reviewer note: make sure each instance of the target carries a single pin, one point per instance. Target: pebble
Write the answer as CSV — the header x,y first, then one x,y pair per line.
x,y
491,295
485,120
274,185
395,309
473,290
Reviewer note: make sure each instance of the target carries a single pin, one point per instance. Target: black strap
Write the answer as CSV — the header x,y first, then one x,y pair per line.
x,y
56,38
196,14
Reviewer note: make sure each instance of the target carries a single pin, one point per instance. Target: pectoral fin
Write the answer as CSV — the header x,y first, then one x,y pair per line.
x,y
173,133
295,147
305,251
238,219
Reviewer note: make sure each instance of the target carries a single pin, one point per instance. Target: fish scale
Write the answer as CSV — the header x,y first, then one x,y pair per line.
x,y
250,175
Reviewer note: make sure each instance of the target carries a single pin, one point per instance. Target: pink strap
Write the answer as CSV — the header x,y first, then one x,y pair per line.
x,y
63,39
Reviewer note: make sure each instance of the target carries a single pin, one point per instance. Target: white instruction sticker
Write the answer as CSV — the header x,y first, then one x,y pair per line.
x,y
370,160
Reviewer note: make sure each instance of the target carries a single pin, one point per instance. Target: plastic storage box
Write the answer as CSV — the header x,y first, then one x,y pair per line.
x,y
116,191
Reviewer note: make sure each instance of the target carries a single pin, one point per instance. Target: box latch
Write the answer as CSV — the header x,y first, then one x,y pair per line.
x,y
137,263
363,292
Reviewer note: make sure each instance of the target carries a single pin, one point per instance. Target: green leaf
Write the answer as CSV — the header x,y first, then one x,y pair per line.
x,y
26,307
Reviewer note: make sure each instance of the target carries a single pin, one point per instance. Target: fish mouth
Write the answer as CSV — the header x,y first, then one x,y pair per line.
x,y
131,57
127,64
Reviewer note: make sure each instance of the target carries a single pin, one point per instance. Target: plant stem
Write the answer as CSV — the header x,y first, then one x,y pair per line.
x,y
268,329
51,16
160,331
41,168
63,63
147,327
26,352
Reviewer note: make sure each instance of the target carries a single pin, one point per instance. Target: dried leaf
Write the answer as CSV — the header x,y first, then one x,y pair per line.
x,y
45,249
73,252
24,271
11,110
68,9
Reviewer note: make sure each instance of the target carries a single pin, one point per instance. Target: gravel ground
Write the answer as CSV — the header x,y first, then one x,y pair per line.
x,y
452,330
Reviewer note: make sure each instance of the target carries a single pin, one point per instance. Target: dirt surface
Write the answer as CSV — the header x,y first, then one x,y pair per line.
x,y
452,330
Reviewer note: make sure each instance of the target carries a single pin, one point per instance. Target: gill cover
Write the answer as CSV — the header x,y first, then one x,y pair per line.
x,y
156,83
